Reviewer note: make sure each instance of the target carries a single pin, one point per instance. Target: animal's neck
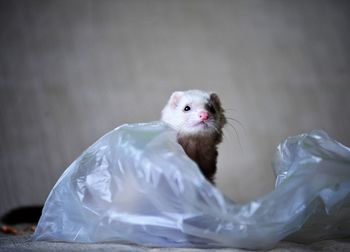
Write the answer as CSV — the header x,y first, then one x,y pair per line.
x,y
202,149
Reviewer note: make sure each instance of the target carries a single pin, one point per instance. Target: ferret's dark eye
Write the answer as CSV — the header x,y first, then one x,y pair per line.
x,y
187,108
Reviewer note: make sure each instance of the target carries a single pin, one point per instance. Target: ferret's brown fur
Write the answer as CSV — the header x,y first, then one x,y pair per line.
x,y
201,149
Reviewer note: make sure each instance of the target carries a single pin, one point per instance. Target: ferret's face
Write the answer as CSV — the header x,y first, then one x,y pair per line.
x,y
194,112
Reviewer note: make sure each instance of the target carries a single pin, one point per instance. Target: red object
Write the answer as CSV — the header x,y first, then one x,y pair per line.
x,y
9,230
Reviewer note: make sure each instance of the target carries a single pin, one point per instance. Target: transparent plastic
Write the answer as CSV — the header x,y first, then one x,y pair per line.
x,y
136,184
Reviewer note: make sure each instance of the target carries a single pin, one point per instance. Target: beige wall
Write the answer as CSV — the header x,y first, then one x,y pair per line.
x,y
72,70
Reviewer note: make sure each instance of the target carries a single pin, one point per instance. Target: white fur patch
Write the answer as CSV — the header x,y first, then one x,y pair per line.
x,y
187,121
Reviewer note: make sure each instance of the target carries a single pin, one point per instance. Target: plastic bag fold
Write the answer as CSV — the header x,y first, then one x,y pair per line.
x,y
136,184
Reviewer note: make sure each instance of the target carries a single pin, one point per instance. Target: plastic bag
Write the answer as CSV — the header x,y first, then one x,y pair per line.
x,y
136,184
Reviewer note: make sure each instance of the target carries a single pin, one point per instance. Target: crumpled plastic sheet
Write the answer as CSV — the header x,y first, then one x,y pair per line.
x,y
136,184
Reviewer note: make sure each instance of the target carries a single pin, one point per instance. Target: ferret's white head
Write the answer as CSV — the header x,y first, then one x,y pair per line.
x,y
194,112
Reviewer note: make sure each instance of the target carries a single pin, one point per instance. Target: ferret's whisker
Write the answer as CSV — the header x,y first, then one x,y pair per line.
x,y
216,129
212,124
236,134
236,121
230,109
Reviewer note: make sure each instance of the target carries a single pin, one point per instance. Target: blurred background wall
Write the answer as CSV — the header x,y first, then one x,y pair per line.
x,y
72,70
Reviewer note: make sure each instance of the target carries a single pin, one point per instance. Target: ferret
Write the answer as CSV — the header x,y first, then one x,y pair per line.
x,y
198,118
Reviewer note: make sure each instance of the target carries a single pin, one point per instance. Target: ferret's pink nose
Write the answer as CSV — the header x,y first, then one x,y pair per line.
x,y
203,115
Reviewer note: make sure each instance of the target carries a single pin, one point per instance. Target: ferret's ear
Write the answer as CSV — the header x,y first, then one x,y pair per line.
x,y
175,98
214,98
